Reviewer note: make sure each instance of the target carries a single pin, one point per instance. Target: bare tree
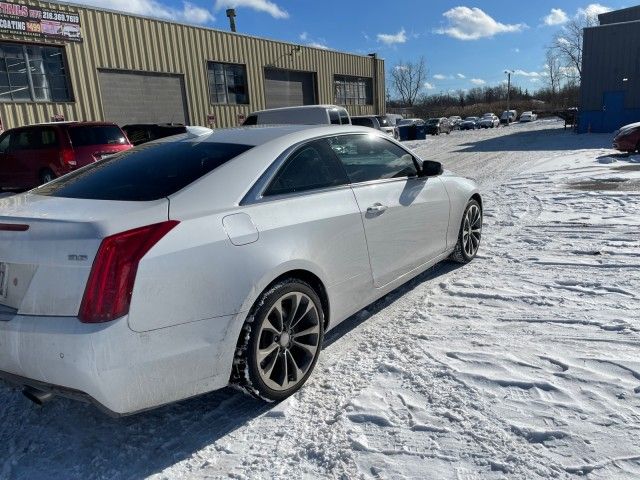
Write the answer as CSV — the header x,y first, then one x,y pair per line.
x,y
408,78
553,69
568,44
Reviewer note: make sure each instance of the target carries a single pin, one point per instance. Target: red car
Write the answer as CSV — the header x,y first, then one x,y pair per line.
x,y
627,139
36,154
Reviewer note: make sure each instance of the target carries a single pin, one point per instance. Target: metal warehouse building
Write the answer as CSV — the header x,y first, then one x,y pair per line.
x,y
63,61
610,86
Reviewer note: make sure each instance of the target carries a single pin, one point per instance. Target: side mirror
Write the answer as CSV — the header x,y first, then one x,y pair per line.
x,y
430,169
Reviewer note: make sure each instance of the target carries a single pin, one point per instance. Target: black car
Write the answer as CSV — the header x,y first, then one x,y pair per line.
x,y
436,126
140,133
470,123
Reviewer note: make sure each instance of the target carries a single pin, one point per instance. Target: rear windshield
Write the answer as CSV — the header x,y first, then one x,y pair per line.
x,y
148,172
384,121
96,135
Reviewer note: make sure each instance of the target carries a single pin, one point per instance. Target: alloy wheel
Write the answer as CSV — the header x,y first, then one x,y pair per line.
x,y
288,341
471,230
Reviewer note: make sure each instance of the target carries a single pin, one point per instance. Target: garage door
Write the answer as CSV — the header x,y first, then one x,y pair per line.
x,y
287,88
140,97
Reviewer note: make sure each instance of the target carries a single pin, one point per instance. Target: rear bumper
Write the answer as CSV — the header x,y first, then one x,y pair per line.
x,y
108,364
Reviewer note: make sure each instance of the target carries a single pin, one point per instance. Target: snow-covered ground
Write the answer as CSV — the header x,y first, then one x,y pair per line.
x,y
523,364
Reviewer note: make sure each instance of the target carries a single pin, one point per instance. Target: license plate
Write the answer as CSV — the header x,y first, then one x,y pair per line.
x,y
4,280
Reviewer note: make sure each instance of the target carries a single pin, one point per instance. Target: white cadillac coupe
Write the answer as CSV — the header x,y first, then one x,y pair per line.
x,y
196,261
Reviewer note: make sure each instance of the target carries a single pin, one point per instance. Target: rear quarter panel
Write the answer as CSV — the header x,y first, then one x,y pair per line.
x,y
196,272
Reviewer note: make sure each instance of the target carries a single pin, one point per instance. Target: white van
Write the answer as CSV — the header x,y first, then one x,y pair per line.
x,y
305,115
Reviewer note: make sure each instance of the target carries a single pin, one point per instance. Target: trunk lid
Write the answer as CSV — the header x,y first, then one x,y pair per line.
x,y
48,244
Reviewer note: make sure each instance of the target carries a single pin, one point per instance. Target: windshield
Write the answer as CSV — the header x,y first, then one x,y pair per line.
x,y
433,121
148,172
470,119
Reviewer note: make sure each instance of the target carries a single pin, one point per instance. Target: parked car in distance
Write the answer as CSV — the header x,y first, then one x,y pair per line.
x,y
455,121
394,118
303,115
146,132
469,123
36,154
379,122
139,133
528,117
508,116
436,126
175,268
489,120
387,125
366,121
627,139
410,121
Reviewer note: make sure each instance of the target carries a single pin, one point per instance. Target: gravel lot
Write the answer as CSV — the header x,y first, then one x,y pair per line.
x,y
522,364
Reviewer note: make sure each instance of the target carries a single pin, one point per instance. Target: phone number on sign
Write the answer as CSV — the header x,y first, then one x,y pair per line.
x,y
60,17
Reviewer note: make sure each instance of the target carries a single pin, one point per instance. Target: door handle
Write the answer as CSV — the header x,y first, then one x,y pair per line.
x,y
376,208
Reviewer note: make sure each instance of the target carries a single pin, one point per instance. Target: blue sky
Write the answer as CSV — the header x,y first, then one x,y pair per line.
x,y
465,43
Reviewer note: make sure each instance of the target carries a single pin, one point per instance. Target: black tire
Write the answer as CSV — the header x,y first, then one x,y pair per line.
x,y
460,253
46,176
248,371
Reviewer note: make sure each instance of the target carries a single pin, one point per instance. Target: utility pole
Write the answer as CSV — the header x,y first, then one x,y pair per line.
x,y
508,72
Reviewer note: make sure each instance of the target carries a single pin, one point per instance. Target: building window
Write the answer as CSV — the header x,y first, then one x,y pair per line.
x,y
227,83
33,73
353,90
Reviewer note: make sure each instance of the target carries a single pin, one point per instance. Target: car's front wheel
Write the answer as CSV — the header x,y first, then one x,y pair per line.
x,y
469,235
280,341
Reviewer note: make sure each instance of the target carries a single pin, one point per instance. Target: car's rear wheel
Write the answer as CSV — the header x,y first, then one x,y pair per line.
x,y
469,235
280,341
46,176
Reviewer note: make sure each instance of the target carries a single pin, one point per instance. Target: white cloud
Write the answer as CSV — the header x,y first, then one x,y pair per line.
x,y
303,36
401,67
393,38
478,81
439,76
317,45
260,5
189,13
472,23
459,75
592,11
524,73
557,16
534,80
429,86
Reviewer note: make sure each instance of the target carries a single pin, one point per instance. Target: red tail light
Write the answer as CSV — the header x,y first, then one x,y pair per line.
x,y
68,157
108,292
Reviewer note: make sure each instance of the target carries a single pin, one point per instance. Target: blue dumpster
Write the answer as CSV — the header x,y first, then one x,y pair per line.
x,y
406,132
421,132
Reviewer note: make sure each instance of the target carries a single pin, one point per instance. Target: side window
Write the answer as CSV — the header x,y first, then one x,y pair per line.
x,y
344,117
27,139
369,157
334,117
311,167
4,142
49,138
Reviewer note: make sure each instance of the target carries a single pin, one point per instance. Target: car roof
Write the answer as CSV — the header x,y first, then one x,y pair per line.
x,y
260,134
64,124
